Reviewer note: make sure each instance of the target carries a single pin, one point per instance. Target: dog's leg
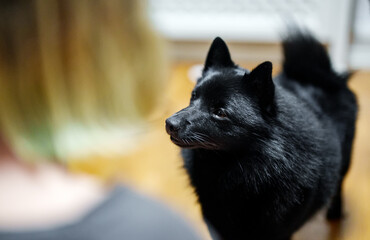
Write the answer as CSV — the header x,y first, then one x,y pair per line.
x,y
335,208
287,238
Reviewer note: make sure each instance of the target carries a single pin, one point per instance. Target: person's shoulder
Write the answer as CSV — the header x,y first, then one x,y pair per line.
x,y
134,215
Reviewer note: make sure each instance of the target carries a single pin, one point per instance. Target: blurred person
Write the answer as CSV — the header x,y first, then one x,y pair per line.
x,y
75,77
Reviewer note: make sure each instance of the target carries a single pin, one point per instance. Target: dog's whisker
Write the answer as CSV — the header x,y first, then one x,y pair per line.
x,y
203,140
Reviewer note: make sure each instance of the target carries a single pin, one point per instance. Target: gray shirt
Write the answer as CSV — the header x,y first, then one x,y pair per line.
x,y
125,214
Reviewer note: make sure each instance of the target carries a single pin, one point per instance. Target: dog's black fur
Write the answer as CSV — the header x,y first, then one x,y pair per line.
x,y
264,155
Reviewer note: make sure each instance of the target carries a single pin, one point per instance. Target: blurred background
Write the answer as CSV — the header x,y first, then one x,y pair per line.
x,y
86,87
342,24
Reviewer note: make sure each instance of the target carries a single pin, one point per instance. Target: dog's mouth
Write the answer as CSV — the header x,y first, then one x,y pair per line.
x,y
193,142
184,143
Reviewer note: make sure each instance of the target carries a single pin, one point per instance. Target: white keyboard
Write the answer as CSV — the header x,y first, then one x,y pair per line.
x,y
238,20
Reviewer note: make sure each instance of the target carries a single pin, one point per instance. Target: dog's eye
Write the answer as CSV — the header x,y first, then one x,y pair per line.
x,y
220,113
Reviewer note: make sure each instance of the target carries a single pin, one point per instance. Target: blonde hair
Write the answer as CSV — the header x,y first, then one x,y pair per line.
x,y
70,67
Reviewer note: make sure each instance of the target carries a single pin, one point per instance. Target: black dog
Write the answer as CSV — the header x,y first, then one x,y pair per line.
x,y
264,155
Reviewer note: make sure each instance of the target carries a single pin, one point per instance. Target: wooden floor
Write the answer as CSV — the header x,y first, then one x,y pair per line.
x,y
155,167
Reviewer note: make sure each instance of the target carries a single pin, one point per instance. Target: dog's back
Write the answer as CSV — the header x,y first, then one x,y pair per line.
x,y
308,73
307,63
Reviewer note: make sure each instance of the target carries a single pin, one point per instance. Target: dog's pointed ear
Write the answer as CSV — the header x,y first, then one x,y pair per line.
x,y
259,83
218,55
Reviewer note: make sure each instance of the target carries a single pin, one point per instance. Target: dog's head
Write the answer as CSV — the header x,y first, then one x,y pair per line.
x,y
228,105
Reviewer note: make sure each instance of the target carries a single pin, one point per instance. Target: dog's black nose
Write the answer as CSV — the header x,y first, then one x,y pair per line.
x,y
172,125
